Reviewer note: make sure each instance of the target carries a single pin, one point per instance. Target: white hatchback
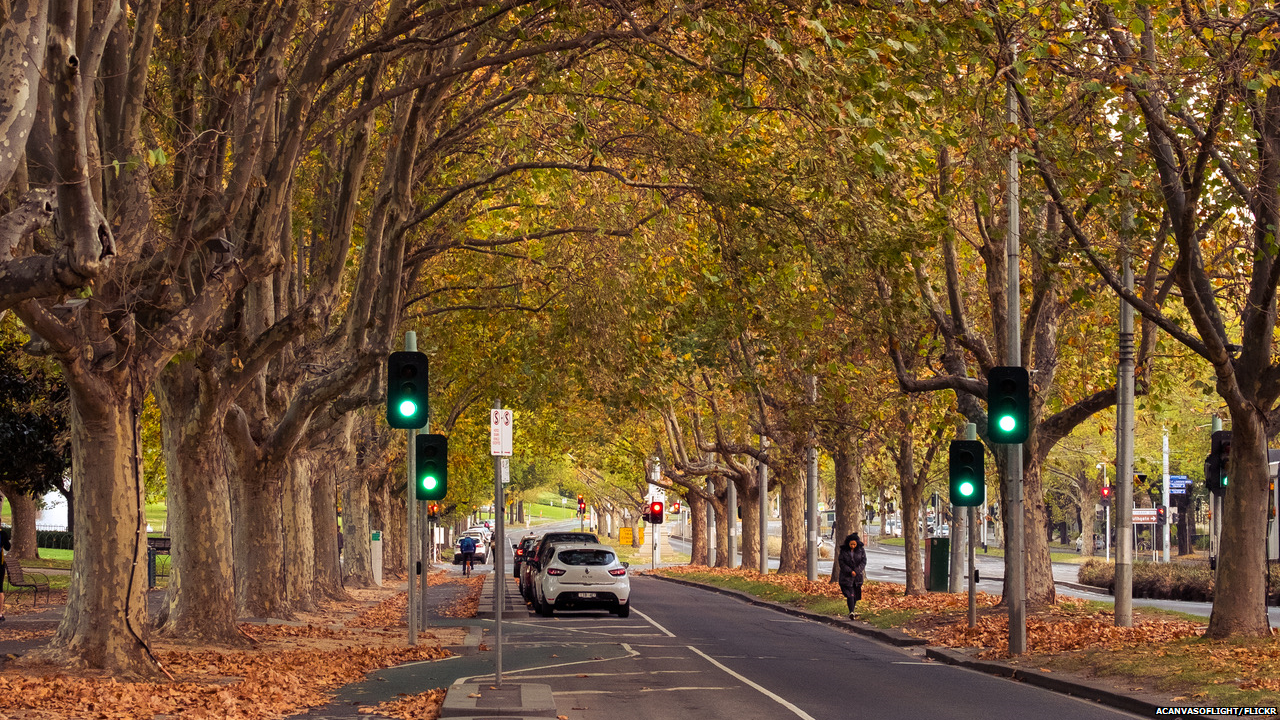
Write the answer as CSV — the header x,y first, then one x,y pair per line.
x,y
583,576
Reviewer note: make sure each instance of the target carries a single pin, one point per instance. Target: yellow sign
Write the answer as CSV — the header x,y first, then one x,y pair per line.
x,y
625,537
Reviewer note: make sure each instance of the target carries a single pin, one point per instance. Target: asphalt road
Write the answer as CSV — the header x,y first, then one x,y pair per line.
x,y
686,652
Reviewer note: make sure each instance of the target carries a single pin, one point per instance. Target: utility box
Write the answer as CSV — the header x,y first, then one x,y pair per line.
x,y
375,556
937,564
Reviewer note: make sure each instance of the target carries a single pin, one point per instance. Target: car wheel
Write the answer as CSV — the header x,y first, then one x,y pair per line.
x,y
623,610
545,609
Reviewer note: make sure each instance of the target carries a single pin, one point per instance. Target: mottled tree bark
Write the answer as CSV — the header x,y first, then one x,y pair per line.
x,y
792,556
23,509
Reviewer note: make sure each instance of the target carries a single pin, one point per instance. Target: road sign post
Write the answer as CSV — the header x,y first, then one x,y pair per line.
x,y
500,433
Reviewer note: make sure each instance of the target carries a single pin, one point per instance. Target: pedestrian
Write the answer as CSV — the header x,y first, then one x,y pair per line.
x,y
4,571
467,548
853,568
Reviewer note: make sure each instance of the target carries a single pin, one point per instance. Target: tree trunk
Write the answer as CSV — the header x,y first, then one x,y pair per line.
x,y
848,498
1088,516
357,533
200,603
299,534
911,507
793,557
698,524
1040,587
23,508
749,540
1238,608
259,542
324,521
104,624
724,515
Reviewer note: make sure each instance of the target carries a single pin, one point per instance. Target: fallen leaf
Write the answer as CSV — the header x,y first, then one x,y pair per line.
x,y
474,695
584,676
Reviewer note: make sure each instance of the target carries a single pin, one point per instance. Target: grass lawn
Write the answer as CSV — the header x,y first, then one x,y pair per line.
x,y
545,512
1057,553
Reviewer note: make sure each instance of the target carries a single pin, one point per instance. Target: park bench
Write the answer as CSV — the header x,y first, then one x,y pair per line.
x,y
19,579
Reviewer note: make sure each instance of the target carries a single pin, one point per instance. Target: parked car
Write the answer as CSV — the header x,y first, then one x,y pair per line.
x,y
1097,543
533,561
482,547
582,576
522,550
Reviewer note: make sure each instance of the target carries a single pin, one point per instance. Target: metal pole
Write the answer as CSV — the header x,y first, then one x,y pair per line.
x,y
971,433
733,524
711,525
1015,563
653,558
1215,514
411,532
1124,455
764,507
811,496
499,574
425,553
1165,497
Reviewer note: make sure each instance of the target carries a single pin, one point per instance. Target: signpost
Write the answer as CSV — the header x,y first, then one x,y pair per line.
x,y
1144,516
1179,485
500,422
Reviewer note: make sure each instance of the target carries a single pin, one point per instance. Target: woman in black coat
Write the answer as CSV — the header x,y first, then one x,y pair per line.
x,y
853,567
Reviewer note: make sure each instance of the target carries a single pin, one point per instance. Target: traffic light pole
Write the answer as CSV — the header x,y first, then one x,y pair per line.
x,y
971,433
1015,571
410,503
811,490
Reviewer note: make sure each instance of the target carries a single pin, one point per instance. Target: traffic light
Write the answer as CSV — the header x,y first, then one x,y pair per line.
x,y
582,505
1008,405
1217,467
407,390
968,473
431,455
675,507
1106,496
433,511
1162,516
655,513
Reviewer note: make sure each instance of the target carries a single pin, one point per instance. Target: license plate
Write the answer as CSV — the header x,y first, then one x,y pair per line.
x,y
588,596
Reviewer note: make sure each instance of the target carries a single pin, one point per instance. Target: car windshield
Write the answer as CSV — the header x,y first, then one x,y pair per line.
x,y
585,557
572,537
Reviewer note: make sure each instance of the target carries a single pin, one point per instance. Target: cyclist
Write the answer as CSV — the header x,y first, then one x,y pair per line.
x,y
467,547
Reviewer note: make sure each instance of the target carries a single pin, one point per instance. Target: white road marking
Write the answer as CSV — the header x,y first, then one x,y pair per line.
x,y
763,690
615,674
630,654
644,690
654,623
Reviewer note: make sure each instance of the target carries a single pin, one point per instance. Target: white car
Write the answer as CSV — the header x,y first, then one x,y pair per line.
x,y
482,547
582,576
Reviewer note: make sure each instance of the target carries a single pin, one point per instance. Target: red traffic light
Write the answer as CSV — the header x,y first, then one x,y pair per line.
x,y
1106,491
675,506
655,512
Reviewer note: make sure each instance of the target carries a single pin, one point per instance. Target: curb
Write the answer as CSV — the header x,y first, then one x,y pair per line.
x,y
892,637
1077,688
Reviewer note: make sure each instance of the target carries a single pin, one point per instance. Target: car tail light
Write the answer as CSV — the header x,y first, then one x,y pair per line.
x,y
555,571
618,572
519,551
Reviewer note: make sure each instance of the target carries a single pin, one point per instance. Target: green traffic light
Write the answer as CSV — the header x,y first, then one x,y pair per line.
x,y
429,483
967,488
408,408
1007,423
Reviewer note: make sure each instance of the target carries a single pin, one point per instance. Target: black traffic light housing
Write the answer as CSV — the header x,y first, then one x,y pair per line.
x,y
675,506
433,511
582,505
1106,496
431,458
1008,405
968,473
407,385
655,513
1217,467
1162,515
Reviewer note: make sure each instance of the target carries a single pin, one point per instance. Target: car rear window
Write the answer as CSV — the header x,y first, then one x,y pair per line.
x,y
585,557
